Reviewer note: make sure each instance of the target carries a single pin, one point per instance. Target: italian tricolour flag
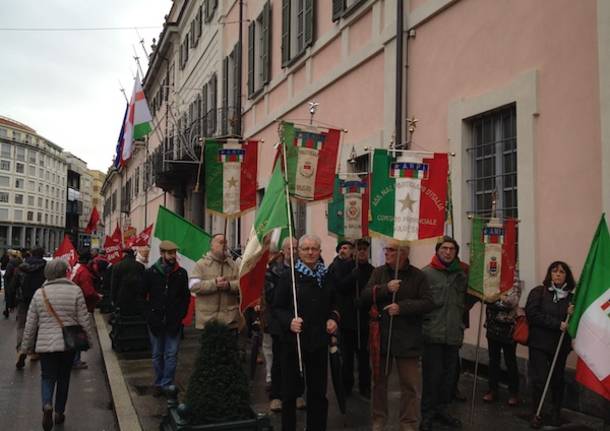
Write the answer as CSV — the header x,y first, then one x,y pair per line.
x,y
311,156
137,122
590,323
271,218
408,194
193,242
230,176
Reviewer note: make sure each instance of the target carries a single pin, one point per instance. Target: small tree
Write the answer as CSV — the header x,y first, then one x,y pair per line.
x,y
218,388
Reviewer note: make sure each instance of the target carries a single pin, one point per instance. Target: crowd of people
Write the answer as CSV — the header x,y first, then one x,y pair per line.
x,y
394,315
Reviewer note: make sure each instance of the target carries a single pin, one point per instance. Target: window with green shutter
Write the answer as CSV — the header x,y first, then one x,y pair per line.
x,y
259,49
298,28
342,8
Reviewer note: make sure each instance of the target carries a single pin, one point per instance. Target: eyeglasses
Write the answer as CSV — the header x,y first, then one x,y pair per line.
x,y
389,250
309,249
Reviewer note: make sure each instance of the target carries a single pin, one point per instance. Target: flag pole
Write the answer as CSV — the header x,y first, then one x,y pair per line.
x,y
551,369
291,236
387,355
476,363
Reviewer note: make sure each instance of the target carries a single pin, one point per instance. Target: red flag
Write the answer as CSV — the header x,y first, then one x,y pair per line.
x,y
66,251
141,239
128,235
93,221
113,246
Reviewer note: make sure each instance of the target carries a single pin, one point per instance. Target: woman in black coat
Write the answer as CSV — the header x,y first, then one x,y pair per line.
x,y
547,309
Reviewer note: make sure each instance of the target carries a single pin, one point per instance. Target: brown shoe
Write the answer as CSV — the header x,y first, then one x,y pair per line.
x,y
47,418
276,405
513,401
489,397
301,404
21,360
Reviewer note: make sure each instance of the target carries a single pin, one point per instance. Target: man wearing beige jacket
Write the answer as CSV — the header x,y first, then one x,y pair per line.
x,y
215,282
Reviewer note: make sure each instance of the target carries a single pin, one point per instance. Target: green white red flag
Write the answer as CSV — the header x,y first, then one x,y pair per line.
x,y
138,120
348,210
408,194
492,256
271,218
230,179
192,241
66,251
590,323
311,156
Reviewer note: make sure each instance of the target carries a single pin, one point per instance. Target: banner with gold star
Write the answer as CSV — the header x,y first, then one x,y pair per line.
x,y
230,176
408,194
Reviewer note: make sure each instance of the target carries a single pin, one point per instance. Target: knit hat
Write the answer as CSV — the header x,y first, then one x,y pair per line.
x,y
448,239
342,243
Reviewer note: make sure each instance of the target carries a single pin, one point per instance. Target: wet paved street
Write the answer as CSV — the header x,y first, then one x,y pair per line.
x,y
89,402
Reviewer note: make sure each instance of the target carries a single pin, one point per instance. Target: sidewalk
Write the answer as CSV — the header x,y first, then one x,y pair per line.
x,y
138,375
89,401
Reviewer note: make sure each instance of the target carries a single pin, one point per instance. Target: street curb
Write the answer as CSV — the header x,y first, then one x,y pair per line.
x,y
123,407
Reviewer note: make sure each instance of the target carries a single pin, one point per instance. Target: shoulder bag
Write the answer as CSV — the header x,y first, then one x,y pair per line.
x,y
75,337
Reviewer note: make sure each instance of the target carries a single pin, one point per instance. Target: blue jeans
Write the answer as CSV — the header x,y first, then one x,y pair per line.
x,y
164,356
55,370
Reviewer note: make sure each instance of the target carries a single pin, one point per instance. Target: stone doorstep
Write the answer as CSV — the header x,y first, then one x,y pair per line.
x,y
125,412
577,397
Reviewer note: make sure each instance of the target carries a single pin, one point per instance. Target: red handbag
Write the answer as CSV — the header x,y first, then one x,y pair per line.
x,y
521,332
375,336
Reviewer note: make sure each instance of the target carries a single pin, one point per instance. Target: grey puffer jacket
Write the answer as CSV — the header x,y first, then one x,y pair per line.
x,y
68,302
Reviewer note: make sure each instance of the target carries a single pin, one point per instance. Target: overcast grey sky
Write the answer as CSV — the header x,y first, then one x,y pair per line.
x,y
65,84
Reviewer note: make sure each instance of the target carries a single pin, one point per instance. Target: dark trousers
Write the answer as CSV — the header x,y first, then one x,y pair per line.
x,y
55,370
276,368
349,351
495,349
315,366
539,365
439,367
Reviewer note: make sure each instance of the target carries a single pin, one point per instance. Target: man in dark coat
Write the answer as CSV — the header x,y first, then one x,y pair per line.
x,y
27,280
9,290
126,285
443,333
166,285
404,300
317,318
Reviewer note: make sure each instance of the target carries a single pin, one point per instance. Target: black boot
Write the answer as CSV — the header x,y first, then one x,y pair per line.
x,y
555,417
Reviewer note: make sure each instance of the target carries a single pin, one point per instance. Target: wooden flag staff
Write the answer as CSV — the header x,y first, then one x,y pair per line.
x,y
387,356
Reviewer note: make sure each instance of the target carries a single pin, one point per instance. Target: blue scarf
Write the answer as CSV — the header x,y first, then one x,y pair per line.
x,y
318,272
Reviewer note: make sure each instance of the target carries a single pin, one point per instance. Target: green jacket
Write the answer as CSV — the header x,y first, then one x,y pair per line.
x,y
444,324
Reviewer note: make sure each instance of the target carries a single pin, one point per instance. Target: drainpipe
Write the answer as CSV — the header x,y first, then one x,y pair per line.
x,y
399,72
239,67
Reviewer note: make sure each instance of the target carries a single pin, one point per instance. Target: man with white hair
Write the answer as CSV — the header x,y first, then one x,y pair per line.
x,y
315,321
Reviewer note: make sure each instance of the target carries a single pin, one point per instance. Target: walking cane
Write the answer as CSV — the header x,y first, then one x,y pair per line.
x,y
548,378
387,357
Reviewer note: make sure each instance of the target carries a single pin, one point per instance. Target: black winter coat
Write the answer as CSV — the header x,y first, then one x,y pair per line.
x,y
272,279
414,298
168,298
126,285
315,304
346,279
544,318
29,278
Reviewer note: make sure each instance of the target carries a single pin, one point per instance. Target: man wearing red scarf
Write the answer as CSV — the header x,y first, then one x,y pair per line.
x,y
443,333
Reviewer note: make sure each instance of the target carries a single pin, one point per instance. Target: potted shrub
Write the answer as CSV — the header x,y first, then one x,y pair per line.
x,y
217,397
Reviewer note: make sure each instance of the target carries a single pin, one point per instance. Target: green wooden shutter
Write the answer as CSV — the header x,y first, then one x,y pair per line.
x,y
309,22
265,57
225,95
236,89
251,68
338,7
204,98
285,32
213,104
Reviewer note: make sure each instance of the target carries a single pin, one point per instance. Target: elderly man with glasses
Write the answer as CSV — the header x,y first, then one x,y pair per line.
x,y
316,320
402,300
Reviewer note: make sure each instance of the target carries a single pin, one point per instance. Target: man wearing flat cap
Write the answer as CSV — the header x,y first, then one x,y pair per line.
x,y
166,285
